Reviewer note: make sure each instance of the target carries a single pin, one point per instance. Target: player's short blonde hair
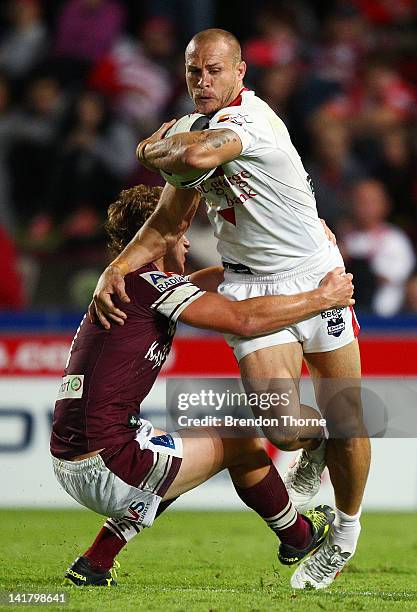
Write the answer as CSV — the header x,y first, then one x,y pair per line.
x,y
216,35
128,213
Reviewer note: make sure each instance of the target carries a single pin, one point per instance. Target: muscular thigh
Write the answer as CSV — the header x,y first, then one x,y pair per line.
x,y
265,367
336,376
272,373
344,362
207,451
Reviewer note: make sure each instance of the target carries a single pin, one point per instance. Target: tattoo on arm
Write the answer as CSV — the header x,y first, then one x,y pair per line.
x,y
216,139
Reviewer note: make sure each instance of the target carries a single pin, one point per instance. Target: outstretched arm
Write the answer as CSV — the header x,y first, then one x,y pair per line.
x,y
171,218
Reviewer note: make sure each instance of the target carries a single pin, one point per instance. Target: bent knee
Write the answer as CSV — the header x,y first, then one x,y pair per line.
x,y
287,440
250,450
350,446
289,445
347,429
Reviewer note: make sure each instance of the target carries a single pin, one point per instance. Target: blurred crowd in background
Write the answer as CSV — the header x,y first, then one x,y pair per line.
x,y
82,81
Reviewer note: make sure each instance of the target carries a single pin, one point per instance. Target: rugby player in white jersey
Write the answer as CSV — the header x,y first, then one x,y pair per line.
x,y
262,208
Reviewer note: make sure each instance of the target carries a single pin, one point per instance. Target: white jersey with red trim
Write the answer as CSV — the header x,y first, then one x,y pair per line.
x,y
262,204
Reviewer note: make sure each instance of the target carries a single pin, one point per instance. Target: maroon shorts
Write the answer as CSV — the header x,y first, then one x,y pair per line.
x,y
152,469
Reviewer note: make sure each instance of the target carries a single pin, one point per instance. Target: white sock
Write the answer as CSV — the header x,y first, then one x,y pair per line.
x,y
346,530
125,530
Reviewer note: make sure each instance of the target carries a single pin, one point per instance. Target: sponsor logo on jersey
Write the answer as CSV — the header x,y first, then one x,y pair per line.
x,y
71,387
133,421
238,119
166,440
234,189
162,281
311,185
157,355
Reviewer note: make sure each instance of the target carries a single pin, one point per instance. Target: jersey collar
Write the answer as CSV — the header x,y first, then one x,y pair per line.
x,y
236,102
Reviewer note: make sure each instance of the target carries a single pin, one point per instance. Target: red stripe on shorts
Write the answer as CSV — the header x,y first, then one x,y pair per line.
x,y
355,324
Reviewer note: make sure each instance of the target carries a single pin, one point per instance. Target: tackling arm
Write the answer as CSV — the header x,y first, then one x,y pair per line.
x,y
261,315
208,279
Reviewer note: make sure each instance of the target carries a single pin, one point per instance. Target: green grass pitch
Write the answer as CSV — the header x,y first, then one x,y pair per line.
x,y
205,561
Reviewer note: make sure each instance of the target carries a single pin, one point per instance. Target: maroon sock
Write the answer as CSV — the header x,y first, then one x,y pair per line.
x,y
269,498
298,535
113,536
104,549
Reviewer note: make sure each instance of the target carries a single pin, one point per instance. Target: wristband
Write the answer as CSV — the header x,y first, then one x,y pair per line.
x,y
123,268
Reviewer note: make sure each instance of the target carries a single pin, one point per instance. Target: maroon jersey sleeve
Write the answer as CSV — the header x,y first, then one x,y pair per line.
x,y
165,293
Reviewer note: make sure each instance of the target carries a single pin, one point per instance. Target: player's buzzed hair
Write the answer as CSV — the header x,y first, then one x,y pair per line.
x,y
128,213
213,35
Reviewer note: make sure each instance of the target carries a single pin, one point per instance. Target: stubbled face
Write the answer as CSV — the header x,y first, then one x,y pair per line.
x,y
174,260
213,76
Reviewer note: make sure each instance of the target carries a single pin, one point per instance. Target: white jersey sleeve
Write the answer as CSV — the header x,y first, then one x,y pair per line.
x,y
173,293
252,129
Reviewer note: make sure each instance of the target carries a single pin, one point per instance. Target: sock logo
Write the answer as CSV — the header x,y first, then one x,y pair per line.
x,y
136,512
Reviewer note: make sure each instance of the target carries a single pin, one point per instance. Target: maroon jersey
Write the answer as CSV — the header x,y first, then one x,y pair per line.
x,y
108,373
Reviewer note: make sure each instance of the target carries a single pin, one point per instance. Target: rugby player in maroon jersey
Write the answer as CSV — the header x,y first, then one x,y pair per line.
x,y
112,461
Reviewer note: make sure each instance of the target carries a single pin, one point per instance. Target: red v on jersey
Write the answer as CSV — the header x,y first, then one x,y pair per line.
x,y
228,214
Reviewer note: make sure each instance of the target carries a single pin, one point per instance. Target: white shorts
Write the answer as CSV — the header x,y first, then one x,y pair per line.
x,y
327,331
125,482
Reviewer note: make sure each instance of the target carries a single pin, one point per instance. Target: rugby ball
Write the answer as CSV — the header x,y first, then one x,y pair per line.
x,y
190,123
